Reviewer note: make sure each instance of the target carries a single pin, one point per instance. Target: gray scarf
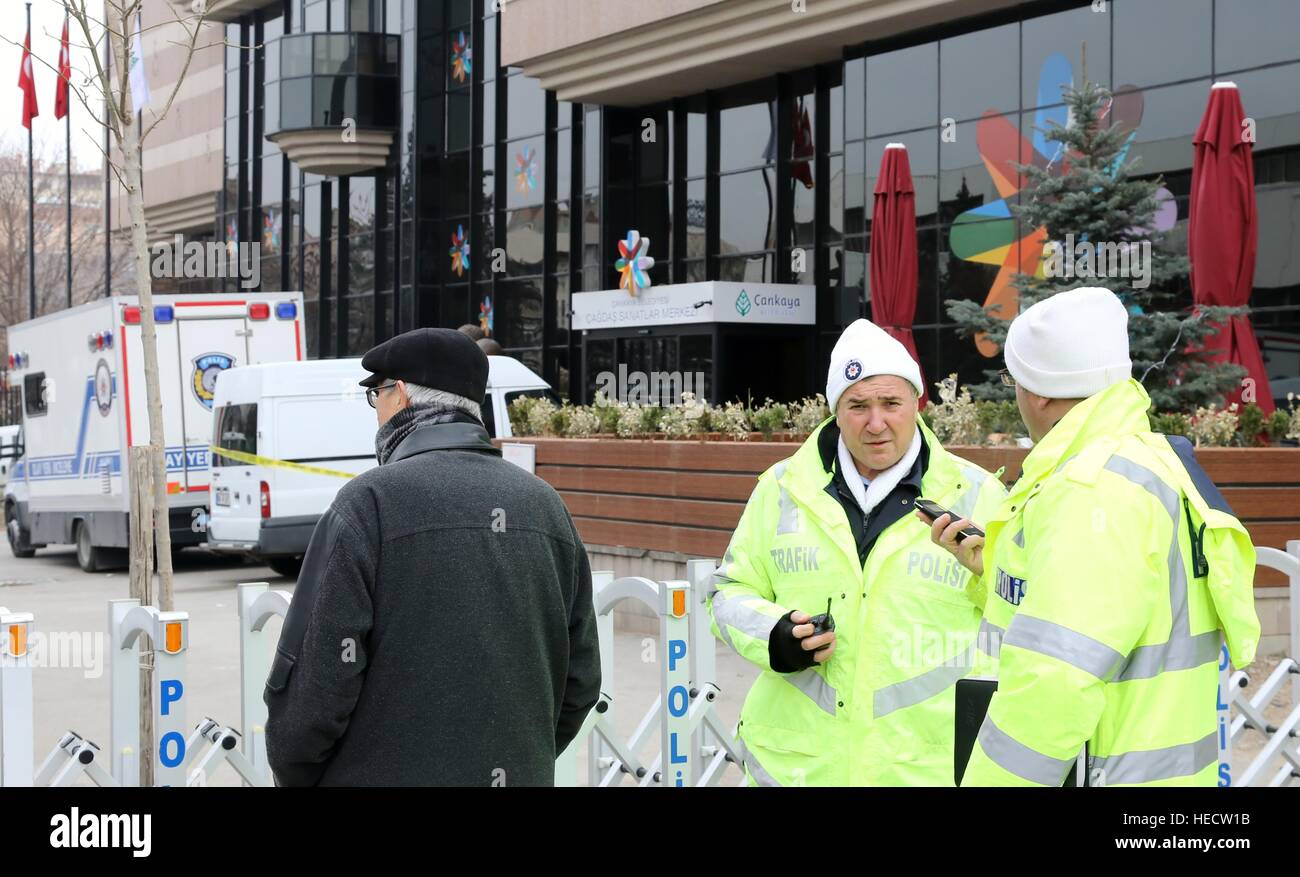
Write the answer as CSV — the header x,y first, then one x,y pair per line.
x,y
404,422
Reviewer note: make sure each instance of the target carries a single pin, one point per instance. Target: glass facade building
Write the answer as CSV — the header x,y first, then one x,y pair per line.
x,y
498,201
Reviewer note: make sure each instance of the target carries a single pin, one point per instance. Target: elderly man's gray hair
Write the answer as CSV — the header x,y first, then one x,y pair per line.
x,y
428,397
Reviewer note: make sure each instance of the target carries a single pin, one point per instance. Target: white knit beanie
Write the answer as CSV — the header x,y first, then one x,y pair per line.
x,y
1071,345
865,350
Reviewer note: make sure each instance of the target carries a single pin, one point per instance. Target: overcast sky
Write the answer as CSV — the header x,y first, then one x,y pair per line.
x,y
47,26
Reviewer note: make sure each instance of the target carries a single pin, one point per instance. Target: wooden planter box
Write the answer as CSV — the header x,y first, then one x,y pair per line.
x,y
687,496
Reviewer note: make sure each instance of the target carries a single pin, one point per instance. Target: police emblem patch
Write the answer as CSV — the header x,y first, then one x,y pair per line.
x,y
204,378
853,370
103,387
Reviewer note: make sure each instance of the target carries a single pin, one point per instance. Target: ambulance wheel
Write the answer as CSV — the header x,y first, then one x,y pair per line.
x,y
20,541
89,558
289,567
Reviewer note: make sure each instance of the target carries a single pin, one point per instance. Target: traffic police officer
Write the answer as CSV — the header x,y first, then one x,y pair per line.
x,y
871,702
1108,572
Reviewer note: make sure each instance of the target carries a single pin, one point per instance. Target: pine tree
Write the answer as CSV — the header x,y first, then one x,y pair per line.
x,y
1097,200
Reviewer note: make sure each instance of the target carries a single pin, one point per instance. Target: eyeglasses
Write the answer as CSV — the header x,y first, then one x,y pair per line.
x,y
1005,377
372,393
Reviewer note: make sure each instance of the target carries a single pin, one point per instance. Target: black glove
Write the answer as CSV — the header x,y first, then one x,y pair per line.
x,y
785,651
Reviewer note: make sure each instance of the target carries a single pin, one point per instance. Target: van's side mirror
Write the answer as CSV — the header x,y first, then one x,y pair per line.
x,y
11,451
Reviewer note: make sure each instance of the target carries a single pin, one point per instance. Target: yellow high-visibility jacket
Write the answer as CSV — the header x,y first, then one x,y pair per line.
x,y
880,711
1109,572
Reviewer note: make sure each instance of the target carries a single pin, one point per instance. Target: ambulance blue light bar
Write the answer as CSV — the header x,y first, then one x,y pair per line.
x,y
286,310
163,313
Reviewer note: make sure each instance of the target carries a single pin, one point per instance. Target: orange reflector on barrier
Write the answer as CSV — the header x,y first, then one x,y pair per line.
x,y
17,640
679,603
174,487
174,640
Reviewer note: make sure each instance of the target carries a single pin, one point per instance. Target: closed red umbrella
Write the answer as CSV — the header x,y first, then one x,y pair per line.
x,y
1223,233
893,250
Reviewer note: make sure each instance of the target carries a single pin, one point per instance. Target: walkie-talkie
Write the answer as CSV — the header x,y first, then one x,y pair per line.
x,y
823,623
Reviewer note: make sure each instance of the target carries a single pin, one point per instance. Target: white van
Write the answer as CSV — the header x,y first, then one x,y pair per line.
x,y
312,414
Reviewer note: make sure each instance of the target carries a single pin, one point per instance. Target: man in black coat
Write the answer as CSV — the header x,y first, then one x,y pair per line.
x,y
442,631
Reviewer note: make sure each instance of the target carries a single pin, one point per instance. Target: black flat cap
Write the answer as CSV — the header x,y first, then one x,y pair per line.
x,y
442,359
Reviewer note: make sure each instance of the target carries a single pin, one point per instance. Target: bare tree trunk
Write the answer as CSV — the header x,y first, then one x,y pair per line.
x,y
141,474
143,285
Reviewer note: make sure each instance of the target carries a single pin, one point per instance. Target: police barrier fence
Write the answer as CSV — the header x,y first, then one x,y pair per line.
x,y
1282,740
693,746
694,749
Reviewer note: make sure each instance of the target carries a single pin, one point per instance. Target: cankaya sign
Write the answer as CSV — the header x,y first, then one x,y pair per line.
x,y
713,301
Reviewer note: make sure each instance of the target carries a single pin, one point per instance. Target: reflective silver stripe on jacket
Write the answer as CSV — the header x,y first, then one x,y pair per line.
x,y
1015,757
965,505
814,684
1149,765
989,639
788,518
729,612
1182,651
722,574
920,688
756,770
1060,642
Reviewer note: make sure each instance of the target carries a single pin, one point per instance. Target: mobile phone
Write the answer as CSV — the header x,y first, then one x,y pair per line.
x,y
934,511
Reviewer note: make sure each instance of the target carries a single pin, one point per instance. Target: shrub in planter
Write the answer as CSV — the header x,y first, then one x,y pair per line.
x,y
519,411
1250,427
732,420
638,420
680,421
1214,427
1278,424
584,422
954,419
539,416
558,423
770,417
807,414
609,413
1000,417
1172,423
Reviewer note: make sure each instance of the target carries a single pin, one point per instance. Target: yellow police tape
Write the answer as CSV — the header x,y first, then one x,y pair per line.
x,y
255,460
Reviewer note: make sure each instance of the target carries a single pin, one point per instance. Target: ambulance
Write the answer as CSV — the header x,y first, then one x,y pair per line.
x,y
82,376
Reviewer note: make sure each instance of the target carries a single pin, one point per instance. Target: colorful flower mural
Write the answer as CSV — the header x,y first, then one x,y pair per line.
x,y
459,251
987,234
462,58
271,231
634,263
526,170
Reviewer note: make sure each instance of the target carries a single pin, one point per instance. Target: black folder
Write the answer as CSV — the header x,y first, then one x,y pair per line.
x,y
973,696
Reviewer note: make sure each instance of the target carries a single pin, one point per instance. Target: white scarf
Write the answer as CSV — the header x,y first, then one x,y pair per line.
x,y
870,496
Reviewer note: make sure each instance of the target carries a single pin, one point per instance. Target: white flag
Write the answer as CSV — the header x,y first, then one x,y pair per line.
x,y
139,84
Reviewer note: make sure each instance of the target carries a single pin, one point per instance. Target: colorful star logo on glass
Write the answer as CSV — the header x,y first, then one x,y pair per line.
x,y
988,234
462,58
485,314
526,170
271,230
459,251
634,263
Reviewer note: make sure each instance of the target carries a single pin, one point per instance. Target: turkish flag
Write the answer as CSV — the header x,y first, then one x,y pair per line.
x,y
27,82
65,73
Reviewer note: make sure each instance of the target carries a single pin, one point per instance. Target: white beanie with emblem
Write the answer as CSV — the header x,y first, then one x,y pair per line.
x,y
865,350
1071,345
